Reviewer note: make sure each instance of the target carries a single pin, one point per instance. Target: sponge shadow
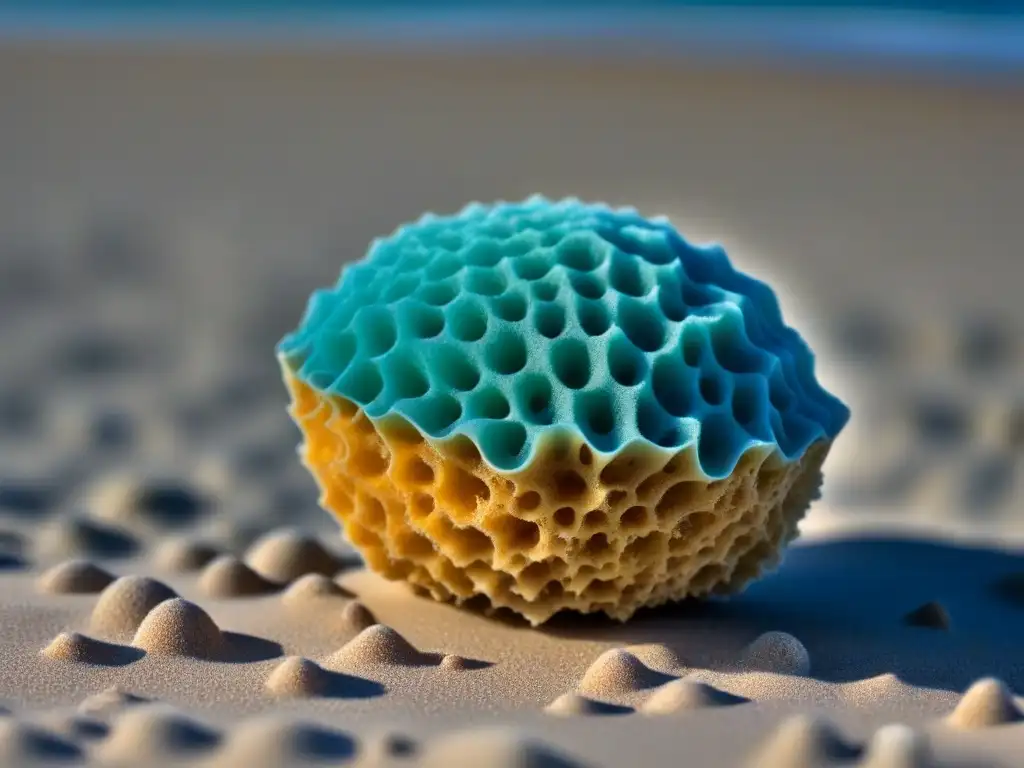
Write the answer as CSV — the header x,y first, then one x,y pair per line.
x,y
845,600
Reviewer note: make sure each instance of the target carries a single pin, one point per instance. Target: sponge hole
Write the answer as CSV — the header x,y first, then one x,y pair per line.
x,y
571,362
467,320
712,389
510,306
549,320
485,282
718,444
420,321
587,285
672,384
375,327
670,298
626,276
533,396
642,324
748,408
452,368
626,363
434,414
546,290
338,349
658,426
503,443
505,354
437,294
399,288
594,317
442,266
362,382
404,377
488,403
594,412
732,349
484,252
581,251
531,266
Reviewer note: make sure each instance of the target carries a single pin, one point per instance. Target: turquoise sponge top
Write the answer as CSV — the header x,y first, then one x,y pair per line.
x,y
506,322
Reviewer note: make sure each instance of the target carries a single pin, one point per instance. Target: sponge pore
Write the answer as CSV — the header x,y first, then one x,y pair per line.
x,y
558,406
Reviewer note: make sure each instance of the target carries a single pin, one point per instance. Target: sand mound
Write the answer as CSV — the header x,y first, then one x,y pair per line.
x,y
177,627
377,644
277,741
125,603
897,746
356,617
931,615
575,705
227,576
871,690
657,656
74,577
986,703
312,586
777,652
455,663
151,502
75,647
22,744
618,671
184,555
152,734
684,695
108,701
802,741
298,677
80,537
495,748
286,554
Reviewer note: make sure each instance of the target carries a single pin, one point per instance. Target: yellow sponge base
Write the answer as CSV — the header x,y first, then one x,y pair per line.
x,y
573,530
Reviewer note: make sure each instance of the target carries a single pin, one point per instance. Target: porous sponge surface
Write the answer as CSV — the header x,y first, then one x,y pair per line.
x,y
558,405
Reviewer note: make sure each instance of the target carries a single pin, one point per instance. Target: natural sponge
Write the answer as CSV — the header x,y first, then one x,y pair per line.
x,y
557,405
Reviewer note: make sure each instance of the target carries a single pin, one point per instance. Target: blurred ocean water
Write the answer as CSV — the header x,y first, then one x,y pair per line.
x,y
960,35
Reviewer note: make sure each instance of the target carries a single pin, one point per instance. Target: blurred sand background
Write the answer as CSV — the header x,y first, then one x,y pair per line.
x,y
164,213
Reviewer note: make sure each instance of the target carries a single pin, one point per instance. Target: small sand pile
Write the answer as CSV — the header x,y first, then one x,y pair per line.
x,y
871,690
177,627
153,734
298,677
23,744
802,741
575,705
74,577
125,603
377,645
897,746
616,672
355,617
312,587
227,576
685,695
777,652
931,615
108,701
271,740
986,703
75,647
495,748
147,503
77,536
286,554
657,656
184,555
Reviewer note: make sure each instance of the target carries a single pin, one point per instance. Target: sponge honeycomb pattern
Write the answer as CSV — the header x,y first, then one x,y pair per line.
x,y
558,405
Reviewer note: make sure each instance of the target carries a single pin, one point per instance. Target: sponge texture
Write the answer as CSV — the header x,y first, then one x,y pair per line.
x,y
558,405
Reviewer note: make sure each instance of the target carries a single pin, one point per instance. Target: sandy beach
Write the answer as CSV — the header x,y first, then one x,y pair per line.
x,y
170,590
